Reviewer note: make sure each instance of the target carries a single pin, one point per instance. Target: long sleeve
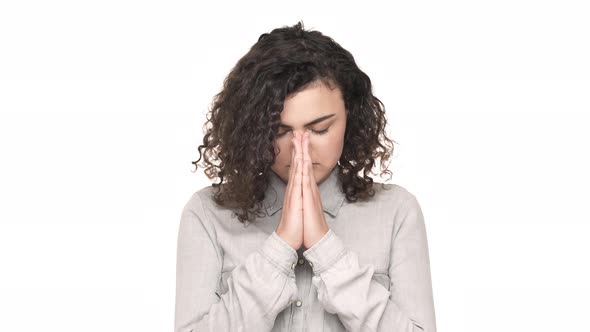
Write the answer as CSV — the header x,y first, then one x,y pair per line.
x,y
347,289
258,289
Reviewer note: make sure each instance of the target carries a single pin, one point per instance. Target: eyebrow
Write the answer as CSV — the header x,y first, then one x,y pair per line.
x,y
318,120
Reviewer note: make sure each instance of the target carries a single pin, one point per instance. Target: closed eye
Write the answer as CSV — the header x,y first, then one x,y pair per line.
x,y
317,132
321,132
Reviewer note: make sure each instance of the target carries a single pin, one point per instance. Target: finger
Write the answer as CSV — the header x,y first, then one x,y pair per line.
x,y
312,179
296,156
311,174
299,164
305,147
306,165
292,162
288,190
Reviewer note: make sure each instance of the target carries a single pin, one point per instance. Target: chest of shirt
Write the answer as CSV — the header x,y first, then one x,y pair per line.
x,y
365,227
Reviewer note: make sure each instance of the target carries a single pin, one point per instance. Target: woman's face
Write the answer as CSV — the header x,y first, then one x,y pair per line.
x,y
321,111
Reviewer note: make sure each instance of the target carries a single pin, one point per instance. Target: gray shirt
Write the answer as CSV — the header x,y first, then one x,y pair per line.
x,y
370,272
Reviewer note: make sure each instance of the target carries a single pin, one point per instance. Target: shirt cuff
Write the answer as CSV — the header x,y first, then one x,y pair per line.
x,y
327,251
280,254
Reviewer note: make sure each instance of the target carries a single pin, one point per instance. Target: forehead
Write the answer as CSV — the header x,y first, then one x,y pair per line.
x,y
313,102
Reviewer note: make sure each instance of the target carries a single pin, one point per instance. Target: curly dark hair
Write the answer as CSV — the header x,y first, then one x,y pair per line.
x,y
244,117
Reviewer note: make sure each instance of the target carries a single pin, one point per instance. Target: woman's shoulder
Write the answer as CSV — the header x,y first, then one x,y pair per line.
x,y
201,199
392,192
398,201
202,202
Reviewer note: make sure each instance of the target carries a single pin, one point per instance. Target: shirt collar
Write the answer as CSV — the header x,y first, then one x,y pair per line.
x,y
330,192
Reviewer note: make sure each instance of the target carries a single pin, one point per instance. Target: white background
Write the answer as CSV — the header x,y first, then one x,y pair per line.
x,y
102,106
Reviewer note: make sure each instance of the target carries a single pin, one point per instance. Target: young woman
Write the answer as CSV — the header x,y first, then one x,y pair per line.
x,y
293,238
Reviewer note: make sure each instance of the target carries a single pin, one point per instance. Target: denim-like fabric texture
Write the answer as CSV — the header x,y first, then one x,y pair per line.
x,y
370,272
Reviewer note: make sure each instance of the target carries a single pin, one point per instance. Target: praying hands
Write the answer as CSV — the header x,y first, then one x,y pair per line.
x,y
302,217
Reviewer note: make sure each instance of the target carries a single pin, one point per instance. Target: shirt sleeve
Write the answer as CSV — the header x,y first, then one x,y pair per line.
x,y
347,289
258,289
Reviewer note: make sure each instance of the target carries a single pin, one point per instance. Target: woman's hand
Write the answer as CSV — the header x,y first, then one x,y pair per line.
x,y
290,227
302,217
314,222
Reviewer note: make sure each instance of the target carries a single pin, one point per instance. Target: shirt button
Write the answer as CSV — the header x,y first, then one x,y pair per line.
x,y
293,266
301,261
298,303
